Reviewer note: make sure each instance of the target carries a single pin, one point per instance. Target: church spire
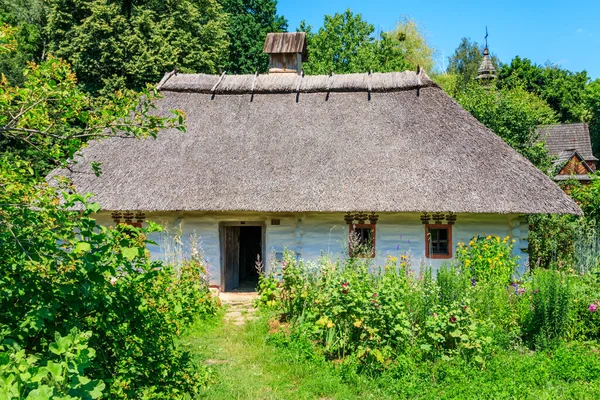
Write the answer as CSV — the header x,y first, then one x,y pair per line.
x,y
486,69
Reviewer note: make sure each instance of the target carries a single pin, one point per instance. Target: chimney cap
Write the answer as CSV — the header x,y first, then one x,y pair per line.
x,y
286,42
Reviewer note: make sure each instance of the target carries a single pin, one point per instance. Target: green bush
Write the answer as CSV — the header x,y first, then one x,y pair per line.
x,y
551,304
379,318
58,374
59,270
488,259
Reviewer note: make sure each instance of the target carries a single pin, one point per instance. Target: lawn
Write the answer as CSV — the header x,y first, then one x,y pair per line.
x,y
248,362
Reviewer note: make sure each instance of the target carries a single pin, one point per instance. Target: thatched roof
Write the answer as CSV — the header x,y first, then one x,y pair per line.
x,y
283,143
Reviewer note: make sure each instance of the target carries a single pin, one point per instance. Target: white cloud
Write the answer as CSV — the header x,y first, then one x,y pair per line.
x,y
580,30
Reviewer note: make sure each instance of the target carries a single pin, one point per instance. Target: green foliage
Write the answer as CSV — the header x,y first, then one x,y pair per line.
x,y
588,197
488,259
249,21
513,114
48,119
552,299
563,90
378,319
143,40
345,44
454,331
411,43
586,308
592,101
466,60
61,270
28,19
23,376
551,239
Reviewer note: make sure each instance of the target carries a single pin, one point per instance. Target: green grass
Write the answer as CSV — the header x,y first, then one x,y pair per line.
x,y
250,367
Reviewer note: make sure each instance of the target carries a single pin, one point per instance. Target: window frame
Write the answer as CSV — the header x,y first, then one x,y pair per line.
x,y
373,228
428,254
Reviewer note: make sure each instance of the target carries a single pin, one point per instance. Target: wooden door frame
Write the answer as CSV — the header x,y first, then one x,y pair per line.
x,y
222,226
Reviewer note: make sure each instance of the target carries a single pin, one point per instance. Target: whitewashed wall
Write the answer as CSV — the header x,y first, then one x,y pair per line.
x,y
312,234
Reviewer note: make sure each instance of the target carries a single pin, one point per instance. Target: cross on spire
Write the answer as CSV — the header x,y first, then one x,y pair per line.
x,y
486,36
486,70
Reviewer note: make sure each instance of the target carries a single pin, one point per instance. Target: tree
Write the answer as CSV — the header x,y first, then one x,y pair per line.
x,y
466,60
563,90
249,21
127,44
61,273
513,114
27,17
592,102
414,46
49,118
345,44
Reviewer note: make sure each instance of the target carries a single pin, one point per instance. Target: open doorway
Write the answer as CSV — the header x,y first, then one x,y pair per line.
x,y
241,245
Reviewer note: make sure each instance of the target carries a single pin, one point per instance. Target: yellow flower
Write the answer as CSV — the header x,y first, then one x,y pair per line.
x,y
358,323
467,263
330,324
488,238
490,260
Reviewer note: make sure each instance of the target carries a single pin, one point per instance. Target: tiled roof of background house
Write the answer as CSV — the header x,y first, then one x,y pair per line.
x,y
563,137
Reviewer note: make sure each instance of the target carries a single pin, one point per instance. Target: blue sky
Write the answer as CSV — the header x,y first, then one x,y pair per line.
x,y
562,32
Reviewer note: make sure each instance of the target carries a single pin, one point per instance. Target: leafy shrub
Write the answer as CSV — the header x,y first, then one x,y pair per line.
x,y
58,374
454,330
60,270
551,302
586,307
488,259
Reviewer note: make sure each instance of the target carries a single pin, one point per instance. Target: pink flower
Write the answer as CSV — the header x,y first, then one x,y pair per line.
x,y
345,284
593,307
113,281
452,319
374,294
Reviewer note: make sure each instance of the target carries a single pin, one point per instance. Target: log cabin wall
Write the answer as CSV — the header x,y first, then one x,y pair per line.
x,y
310,235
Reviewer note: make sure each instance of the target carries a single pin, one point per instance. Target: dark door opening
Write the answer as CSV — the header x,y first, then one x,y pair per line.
x,y
242,247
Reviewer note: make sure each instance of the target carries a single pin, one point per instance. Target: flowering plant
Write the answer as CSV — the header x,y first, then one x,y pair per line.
x,y
488,259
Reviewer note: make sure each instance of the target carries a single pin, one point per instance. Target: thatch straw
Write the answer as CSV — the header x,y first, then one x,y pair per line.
x,y
396,149
288,83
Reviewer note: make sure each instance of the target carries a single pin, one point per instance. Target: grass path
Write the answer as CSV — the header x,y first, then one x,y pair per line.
x,y
247,367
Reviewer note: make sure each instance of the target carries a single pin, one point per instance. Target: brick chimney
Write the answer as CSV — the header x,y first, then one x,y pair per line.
x,y
286,52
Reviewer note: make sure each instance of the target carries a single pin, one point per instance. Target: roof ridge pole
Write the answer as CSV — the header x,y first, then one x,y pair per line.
x,y
299,84
369,84
165,78
214,88
252,88
329,84
419,83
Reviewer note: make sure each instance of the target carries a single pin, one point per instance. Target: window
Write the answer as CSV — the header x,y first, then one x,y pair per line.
x,y
438,241
361,241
